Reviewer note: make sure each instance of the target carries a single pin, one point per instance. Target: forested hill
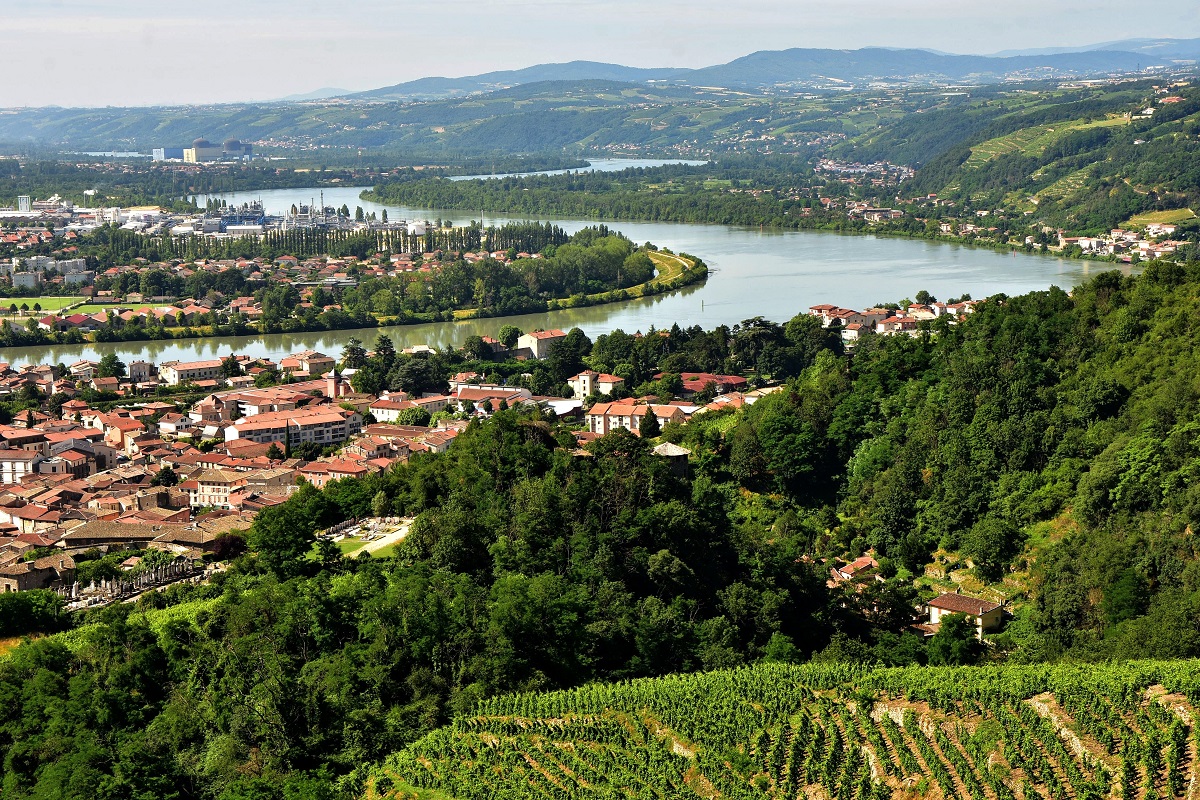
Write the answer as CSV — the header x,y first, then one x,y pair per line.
x,y
833,731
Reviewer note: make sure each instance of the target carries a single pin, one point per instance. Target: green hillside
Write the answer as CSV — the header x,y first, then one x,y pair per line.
x,y
538,117
1088,173
825,731
1034,140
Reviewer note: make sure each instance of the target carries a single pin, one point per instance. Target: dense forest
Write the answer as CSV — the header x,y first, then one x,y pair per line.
x,y
1044,446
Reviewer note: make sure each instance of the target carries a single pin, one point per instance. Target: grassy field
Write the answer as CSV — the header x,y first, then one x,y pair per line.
x,y
1162,217
385,552
47,303
9,644
157,619
1032,141
348,546
92,308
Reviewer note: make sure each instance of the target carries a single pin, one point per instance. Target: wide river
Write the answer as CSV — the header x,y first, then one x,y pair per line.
x,y
773,274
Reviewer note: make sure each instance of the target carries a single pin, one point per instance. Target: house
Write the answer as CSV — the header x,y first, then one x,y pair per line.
x,y
323,425
852,332
210,488
39,574
322,473
605,417
15,464
174,373
387,410
175,425
675,455
696,382
140,371
856,569
984,614
896,325
471,399
538,343
309,361
465,379
587,382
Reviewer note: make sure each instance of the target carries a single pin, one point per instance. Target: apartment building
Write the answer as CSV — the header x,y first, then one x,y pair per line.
x,y
174,373
323,425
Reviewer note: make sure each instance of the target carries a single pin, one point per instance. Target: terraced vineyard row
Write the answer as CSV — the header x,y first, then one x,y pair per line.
x,y
836,732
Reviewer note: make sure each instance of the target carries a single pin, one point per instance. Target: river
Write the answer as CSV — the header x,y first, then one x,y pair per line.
x,y
769,273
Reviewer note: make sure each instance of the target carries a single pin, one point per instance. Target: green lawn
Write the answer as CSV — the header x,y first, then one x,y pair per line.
x,y
348,546
385,552
47,303
92,308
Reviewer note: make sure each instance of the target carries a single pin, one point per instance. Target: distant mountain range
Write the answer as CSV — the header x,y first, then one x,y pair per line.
x,y
1172,49
826,69
443,88
317,94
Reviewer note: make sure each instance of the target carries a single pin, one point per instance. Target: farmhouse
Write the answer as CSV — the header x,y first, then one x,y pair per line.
x,y
984,614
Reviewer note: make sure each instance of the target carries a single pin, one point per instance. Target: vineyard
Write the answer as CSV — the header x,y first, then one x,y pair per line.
x,y
834,732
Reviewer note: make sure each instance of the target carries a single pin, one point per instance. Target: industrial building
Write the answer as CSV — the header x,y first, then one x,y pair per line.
x,y
203,151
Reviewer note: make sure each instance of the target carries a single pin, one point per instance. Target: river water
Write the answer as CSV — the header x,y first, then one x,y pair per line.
x,y
773,274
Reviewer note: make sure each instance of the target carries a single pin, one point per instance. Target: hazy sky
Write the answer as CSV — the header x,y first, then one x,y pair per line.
x,y
125,52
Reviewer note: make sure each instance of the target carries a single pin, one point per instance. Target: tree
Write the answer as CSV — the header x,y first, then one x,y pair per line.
x,y
37,306
230,366
165,477
110,367
268,377
380,504
354,355
275,453
284,534
475,349
358,214
991,543
955,644
508,335
417,417
385,353
649,427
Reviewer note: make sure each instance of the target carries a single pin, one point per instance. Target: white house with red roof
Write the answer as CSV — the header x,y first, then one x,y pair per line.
x,y
539,342
589,381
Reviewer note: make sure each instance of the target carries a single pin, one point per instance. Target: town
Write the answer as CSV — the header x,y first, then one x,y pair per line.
x,y
137,471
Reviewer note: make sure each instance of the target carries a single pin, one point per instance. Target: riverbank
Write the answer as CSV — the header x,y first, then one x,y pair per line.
x,y
752,272
631,197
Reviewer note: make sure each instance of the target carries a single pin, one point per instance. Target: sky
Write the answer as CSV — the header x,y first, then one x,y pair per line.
x,y
138,52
